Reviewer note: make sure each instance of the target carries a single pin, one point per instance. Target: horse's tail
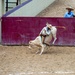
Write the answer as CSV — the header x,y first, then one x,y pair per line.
x,y
61,27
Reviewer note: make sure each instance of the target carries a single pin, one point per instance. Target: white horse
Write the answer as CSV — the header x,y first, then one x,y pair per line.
x,y
38,40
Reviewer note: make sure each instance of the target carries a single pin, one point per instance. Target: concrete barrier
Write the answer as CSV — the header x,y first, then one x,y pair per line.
x,y
20,30
30,8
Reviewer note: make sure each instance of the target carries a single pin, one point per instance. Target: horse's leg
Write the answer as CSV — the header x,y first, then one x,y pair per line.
x,y
54,36
42,49
29,47
54,40
38,51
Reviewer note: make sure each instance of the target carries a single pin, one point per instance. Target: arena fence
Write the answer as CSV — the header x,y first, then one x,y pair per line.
x,y
20,30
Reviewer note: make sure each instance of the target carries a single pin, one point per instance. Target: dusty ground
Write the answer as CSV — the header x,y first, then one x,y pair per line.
x,y
19,60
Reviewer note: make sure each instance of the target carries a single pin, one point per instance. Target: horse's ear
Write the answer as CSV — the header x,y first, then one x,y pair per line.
x,y
47,23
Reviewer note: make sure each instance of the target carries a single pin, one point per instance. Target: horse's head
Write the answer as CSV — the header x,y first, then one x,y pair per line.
x,y
48,25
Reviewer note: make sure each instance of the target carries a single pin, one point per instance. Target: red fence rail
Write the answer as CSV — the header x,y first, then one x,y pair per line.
x,y
20,30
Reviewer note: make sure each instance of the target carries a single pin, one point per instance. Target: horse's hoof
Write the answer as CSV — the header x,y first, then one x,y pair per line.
x,y
40,54
37,52
52,43
29,47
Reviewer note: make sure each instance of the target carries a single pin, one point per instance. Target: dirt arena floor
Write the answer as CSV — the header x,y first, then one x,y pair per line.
x,y
56,60
20,60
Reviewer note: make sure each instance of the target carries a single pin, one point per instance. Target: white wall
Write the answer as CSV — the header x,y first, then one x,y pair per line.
x,y
0,8
32,8
0,17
